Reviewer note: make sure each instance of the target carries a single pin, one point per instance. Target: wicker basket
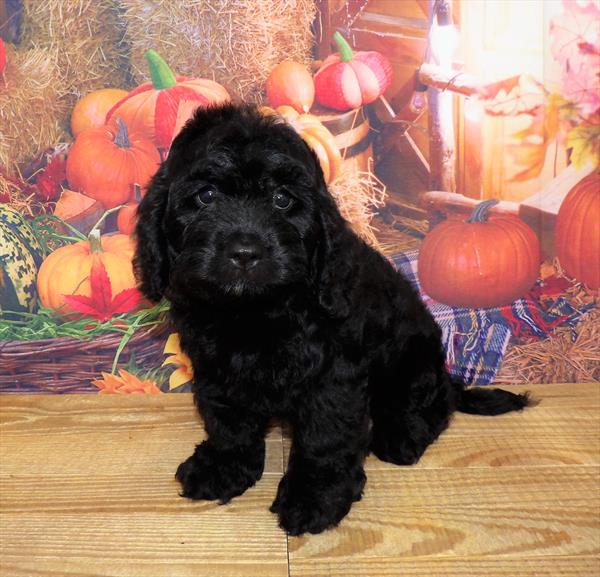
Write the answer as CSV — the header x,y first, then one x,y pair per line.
x,y
67,365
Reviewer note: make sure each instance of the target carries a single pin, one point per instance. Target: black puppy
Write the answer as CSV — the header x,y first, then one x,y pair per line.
x,y
286,313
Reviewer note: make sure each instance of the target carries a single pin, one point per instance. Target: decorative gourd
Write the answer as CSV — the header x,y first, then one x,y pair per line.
x,y
578,231
20,257
312,131
91,110
151,108
290,83
487,261
127,216
106,162
349,79
66,271
78,210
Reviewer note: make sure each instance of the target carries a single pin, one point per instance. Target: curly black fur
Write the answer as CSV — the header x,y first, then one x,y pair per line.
x,y
286,313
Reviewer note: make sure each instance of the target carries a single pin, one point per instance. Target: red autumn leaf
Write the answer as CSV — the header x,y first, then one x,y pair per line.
x,y
126,300
49,181
101,287
550,287
101,305
520,94
82,304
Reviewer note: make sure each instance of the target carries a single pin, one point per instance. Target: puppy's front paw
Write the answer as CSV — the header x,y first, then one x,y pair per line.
x,y
303,508
219,476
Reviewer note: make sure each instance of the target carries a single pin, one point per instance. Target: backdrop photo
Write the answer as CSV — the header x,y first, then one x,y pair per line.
x,y
460,144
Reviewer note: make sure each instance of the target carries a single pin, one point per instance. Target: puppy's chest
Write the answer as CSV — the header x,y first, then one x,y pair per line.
x,y
273,354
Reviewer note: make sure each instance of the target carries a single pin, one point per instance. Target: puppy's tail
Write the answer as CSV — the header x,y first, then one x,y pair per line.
x,y
478,401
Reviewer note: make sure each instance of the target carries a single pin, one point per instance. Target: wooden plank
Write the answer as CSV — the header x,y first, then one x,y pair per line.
x,y
461,513
86,489
585,566
107,431
121,526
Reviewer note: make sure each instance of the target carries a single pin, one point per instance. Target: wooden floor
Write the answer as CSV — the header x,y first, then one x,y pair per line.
x,y
87,490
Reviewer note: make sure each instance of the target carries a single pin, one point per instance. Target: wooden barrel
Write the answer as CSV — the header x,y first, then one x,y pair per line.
x,y
353,136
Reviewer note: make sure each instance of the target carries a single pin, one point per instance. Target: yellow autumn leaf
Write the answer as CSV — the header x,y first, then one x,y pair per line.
x,y
184,371
584,142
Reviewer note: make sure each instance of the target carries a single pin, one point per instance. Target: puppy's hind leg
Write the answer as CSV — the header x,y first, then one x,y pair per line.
x,y
411,400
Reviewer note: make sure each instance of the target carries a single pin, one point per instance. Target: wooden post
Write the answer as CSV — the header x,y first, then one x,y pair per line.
x,y
442,155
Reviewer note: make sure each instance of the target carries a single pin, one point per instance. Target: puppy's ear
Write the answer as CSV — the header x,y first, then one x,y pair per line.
x,y
151,263
334,255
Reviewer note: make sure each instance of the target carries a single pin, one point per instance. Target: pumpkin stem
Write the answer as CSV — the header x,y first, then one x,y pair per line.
x,y
160,73
480,212
137,193
122,137
94,240
343,47
96,228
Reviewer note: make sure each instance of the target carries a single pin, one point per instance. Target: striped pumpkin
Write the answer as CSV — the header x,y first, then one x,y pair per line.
x,y
150,110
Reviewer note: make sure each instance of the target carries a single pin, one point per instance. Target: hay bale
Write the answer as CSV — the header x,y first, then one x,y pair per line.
x,y
30,106
86,36
358,195
558,359
234,42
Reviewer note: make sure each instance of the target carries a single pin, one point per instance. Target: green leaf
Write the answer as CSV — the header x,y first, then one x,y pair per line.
x,y
584,142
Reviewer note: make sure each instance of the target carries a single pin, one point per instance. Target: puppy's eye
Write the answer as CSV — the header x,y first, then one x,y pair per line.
x,y
206,196
282,201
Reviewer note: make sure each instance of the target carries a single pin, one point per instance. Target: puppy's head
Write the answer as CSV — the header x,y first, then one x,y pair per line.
x,y
235,212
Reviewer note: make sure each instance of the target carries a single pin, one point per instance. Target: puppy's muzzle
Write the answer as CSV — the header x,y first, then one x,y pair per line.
x,y
244,251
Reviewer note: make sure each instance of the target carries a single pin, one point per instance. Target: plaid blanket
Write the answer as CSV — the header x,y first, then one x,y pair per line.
x,y
476,339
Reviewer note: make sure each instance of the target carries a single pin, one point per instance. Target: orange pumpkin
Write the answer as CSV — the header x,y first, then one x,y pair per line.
x,y
486,261
127,216
90,111
578,231
312,131
106,162
66,271
290,83
151,108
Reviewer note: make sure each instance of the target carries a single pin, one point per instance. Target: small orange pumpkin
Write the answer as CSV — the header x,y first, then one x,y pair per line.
x,y
106,162
290,83
127,216
487,261
312,131
66,271
578,231
90,111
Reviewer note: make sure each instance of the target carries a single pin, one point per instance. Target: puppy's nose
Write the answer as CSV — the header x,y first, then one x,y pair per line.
x,y
245,251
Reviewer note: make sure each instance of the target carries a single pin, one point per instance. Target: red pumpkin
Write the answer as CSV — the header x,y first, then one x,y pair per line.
x,y
347,80
105,163
578,231
151,108
486,261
